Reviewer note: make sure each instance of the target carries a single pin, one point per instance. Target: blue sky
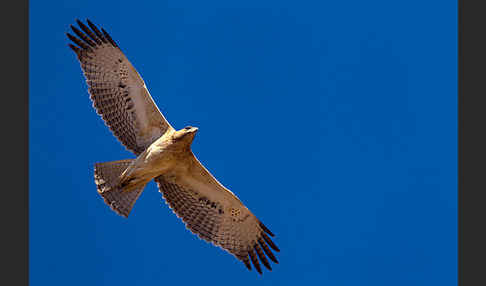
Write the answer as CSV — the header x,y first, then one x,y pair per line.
x,y
333,121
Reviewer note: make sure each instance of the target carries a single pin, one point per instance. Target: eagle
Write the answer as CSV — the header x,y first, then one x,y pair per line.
x,y
163,154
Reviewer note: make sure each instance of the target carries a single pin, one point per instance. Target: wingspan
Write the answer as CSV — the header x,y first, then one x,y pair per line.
x,y
216,215
118,92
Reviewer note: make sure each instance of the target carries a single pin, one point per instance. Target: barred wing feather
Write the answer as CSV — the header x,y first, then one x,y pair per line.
x,y
216,215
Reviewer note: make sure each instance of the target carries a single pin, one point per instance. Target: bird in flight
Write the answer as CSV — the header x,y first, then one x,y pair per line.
x,y
163,154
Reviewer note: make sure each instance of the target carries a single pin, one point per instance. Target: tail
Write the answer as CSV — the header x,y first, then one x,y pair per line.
x,y
107,177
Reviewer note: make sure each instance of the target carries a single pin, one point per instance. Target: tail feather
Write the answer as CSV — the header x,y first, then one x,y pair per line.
x,y
106,178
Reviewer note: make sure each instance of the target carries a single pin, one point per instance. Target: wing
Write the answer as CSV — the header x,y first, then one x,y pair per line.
x,y
118,92
216,215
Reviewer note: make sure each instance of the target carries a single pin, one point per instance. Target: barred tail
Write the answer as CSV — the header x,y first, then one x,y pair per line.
x,y
106,178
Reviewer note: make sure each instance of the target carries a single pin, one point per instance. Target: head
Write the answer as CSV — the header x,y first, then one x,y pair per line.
x,y
185,134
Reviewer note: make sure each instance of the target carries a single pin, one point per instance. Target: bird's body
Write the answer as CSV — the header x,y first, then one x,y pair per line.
x,y
167,154
163,154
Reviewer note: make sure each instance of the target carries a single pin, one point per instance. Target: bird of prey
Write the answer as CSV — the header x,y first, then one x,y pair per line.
x,y
163,154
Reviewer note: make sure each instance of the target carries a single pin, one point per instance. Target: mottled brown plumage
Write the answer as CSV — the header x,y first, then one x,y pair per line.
x,y
206,207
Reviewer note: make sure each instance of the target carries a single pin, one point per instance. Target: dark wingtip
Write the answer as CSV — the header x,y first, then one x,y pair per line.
x,y
83,36
266,229
247,263
74,48
97,32
108,37
89,32
253,258
78,42
267,250
262,256
270,242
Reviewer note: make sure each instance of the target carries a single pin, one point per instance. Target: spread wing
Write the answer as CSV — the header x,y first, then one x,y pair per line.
x,y
118,92
215,214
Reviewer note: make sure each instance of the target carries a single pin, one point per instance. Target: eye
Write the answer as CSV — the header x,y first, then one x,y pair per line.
x,y
188,127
